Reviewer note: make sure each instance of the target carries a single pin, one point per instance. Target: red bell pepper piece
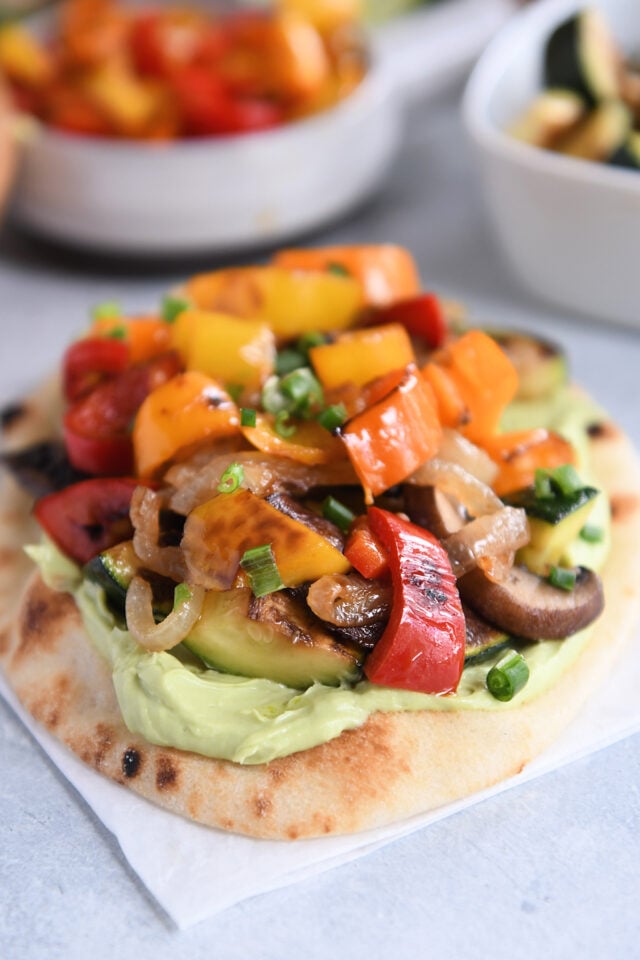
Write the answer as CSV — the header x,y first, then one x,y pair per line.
x,y
97,429
365,552
87,363
423,645
88,517
422,316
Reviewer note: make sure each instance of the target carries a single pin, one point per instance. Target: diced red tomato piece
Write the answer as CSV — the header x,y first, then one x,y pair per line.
x,y
88,517
87,363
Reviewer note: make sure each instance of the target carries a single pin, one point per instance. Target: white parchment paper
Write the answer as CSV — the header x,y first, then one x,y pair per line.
x,y
195,872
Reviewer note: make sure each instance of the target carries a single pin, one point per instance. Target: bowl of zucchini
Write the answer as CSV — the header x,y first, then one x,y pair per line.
x,y
553,107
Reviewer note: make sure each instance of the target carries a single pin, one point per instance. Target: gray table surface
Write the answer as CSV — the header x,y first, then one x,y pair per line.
x,y
549,869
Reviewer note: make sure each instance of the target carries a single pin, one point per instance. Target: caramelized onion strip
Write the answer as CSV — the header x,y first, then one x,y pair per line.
x,y
169,632
489,542
457,449
476,497
145,517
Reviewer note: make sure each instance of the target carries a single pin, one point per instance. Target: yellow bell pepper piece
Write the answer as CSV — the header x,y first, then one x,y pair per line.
x,y
362,355
325,15
180,415
229,349
292,302
300,62
386,272
23,59
310,443
223,528
129,103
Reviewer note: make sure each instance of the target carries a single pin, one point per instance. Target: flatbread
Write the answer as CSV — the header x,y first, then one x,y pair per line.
x,y
393,766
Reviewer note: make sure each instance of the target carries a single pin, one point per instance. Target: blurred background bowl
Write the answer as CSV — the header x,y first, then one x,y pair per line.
x,y
569,228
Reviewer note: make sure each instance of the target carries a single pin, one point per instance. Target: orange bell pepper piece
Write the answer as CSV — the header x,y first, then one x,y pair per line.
x,y
231,523
364,551
362,355
519,454
310,443
385,272
474,384
146,337
289,301
397,433
177,417
227,348
326,15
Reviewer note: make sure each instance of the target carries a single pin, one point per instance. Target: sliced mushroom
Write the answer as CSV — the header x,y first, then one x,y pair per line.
x,y
432,509
528,606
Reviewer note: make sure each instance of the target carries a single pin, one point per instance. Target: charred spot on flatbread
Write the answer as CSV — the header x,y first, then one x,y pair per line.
x,y
50,706
131,762
624,506
11,415
603,430
166,773
44,620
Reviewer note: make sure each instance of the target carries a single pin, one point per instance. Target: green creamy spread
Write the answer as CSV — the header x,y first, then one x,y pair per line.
x,y
172,700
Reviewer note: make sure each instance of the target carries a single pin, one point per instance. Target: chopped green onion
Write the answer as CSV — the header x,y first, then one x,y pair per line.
x,y
231,478
567,479
247,417
235,391
172,307
508,676
563,578
118,333
288,360
106,310
338,268
181,594
333,417
301,386
260,566
543,488
591,533
337,513
283,427
314,338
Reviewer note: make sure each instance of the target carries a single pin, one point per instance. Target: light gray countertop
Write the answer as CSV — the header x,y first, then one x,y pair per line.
x,y
549,869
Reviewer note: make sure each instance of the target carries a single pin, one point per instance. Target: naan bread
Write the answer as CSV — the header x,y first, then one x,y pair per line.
x,y
394,766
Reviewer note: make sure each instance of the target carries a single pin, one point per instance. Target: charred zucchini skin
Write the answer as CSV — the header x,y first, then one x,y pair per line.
x,y
483,640
114,569
552,510
571,62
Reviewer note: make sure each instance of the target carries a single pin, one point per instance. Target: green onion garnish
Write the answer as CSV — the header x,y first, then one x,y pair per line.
x,y
118,333
337,513
260,566
333,417
106,310
231,478
288,360
314,338
543,488
172,307
181,593
508,676
282,426
301,386
235,391
247,417
273,400
567,479
338,268
591,533
563,578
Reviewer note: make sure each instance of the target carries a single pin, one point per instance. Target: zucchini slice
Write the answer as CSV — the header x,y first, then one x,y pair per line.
x,y
551,115
554,523
483,640
114,569
273,637
601,135
582,55
541,364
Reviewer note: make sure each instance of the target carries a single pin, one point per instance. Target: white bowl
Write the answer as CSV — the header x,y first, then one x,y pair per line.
x,y
570,228
235,193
